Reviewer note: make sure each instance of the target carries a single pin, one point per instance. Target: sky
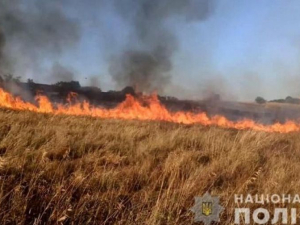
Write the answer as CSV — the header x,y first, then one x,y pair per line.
x,y
244,49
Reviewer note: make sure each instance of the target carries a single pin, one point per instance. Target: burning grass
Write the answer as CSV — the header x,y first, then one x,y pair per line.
x,y
66,169
145,108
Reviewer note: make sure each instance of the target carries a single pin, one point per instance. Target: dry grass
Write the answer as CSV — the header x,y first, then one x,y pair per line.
x,y
78,170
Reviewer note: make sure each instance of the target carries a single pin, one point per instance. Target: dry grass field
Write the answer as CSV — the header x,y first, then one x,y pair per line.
x,y
82,170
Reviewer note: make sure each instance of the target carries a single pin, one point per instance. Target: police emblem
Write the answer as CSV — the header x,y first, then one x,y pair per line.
x,y
207,209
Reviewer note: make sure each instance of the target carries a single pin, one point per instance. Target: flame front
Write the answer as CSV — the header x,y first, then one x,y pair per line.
x,y
131,108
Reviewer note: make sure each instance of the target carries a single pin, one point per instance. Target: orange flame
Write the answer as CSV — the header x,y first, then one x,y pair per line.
x,y
131,109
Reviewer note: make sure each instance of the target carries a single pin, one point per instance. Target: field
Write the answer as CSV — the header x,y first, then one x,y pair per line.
x,y
82,170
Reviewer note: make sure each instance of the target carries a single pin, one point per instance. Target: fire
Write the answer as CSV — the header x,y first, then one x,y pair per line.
x,y
132,108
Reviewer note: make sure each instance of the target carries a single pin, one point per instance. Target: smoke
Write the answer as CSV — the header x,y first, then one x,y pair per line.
x,y
94,81
2,43
61,73
2,56
147,62
31,32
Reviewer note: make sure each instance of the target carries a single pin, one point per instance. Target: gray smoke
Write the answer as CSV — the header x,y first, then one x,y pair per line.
x,y
2,43
148,61
32,31
2,56
61,73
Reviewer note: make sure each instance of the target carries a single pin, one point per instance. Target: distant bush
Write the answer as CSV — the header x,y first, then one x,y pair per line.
x,y
288,99
10,78
129,90
292,100
260,100
30,81
72,85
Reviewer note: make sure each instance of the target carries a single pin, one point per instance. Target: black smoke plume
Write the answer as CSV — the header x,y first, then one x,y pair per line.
x,y
32,31
147,63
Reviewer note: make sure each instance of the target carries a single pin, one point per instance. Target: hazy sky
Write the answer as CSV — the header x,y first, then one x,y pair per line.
x,y
244,49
